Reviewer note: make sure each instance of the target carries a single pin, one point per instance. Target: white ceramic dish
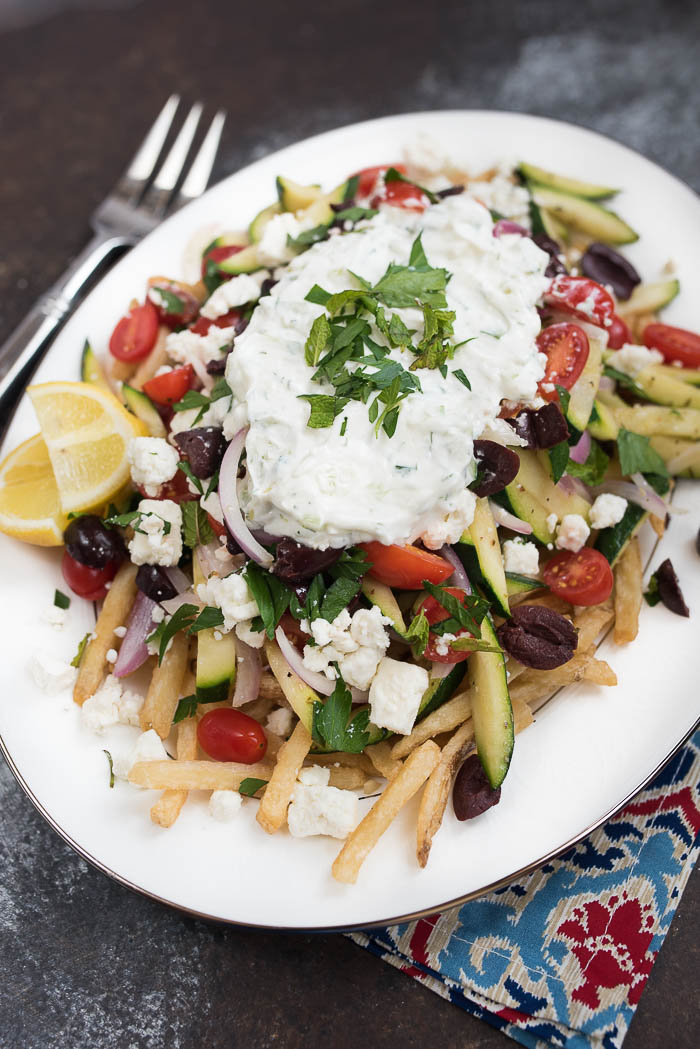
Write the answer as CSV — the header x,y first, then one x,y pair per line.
x,y
590,749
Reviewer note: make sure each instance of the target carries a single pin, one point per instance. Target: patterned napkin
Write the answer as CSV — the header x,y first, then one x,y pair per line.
x,y
561,958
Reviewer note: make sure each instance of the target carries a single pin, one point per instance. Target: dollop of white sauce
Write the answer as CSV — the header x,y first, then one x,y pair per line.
x,y
327,489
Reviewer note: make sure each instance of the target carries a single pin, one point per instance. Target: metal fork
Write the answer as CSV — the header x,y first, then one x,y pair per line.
x,y
142,197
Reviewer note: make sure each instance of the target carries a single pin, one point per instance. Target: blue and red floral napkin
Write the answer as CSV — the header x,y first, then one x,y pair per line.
x,y
561,957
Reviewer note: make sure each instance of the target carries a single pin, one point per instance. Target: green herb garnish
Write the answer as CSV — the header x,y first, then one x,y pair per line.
x,y
332,727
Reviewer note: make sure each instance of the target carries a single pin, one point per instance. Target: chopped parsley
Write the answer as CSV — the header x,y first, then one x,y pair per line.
x,y
250,786
332,726
82,645
61,600
637,455
191,619
111,767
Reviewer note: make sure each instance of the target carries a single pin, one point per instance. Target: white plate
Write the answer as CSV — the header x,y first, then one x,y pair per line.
x,y
590,749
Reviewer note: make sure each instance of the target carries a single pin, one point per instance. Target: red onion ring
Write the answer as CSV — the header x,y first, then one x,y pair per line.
x,y
228,494
178,578
459,577
606,383
574,486
315,680
248,674
642,494
506,519
440,670
133,651
504,226
187,597
581,450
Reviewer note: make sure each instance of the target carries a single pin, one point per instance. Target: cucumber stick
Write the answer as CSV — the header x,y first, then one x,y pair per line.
x,y
521,584
648,298
488,551
90,368
492,712
573,186
144,409
584,215
381,595
216,657
300,696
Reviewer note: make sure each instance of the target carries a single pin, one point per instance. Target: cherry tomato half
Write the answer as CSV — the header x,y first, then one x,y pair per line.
x,y
135,334
676,344
170,386
216,255
176,304
618,333
435,613
583,578
566,347
226,320
230,735
582,298
405,567
401,195
368,177
216,526
87,582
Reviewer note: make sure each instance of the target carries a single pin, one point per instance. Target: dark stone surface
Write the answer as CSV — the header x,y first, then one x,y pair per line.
x,y
84,962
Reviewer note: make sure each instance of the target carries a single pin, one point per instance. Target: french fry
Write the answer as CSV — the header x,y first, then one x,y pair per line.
x,y
365,836
550,600
166,810
590,622
196,775
522,715
165,688
658,524
273,808
116,607
380,756
628,593
598,672
437,790
347,778
340,757
534,687
155,360
446,717
122,370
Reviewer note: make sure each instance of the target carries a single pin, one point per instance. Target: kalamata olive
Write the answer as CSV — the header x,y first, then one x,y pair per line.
x,y
451,191
496,467
269,283
670,589
89,541
231,544
203,448
472,793
153,581
538,637
603,264
217,366
295,563
542,427
555,264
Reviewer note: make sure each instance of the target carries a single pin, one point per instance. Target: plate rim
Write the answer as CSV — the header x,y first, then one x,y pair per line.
x,y
459,900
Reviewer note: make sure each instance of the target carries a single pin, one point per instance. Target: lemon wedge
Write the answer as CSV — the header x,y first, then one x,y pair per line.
x,y
86,431
30,508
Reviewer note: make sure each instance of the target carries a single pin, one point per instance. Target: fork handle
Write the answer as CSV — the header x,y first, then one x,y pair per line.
x,y
28,343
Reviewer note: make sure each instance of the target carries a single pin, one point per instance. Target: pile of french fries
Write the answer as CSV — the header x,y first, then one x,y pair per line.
x,y
426,760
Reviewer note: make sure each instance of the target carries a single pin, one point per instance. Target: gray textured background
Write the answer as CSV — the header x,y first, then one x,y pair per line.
x,y
84,963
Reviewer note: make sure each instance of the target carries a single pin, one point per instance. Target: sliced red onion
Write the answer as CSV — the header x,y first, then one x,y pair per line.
x,y
248,673
133,651
643,496
317,681
574,486
506,519
178,578
683,460
459,577
606,383
201,372
581,450
506,226
440,670
187,597
228,494
214,559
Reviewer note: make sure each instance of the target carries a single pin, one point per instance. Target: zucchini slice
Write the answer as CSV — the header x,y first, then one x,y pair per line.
x,y
381,595
245,261
651,420
682,457
90,368
295,197
255,230
521,584
663,388
584,215
689,375
492,712
144,409
300,696
648,298
488,551
441,689
534,476
573,186
612,541
216,657
553,227
583,392
602,423
527,507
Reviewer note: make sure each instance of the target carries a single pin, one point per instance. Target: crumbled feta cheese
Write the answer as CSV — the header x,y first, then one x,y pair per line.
x,y
356,643
272,246
442,643
212,505
279,722
500,432
501,194
153,543
111,705
454,524
607,510
232,596
245,632
111,656
317,808
153,462
192,417
224,805
521,557
148,747
120,631
572,533
51,675
235,292
552,522
395,694
187,347
54,616
632,359
157,614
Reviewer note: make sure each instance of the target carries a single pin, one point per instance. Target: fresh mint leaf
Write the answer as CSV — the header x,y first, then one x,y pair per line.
x,y
332,726
651,594
187,471
417,634
355,214
593,470
220,389
318,295
418,258
352,564
192,399
271,595
111,767
122,520
250,786
467,613
338,596
195,525
459,374
325,408
75,661
558,460
637,455
317,341
564,398
170,302
209,617
401,286
181,619
61,600
392,175
307,237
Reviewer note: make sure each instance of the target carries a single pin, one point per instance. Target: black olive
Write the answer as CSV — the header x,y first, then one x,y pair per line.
x,y
451,191
555,265
203,448
603,264
268,284
295,563
218,366
231,544
472,793
542,427
538,637
496,467
89,541
670,589
153,581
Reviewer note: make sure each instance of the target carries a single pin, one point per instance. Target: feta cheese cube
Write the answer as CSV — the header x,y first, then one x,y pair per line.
x,y
224,805
395,694
521,557
572,533
153,542
153,462
607,510
319,809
